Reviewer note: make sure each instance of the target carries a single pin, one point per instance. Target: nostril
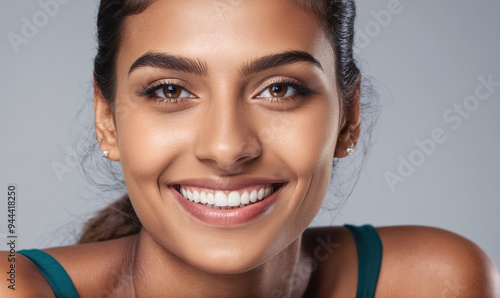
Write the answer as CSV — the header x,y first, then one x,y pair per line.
x,y
228,166
243,159
227,148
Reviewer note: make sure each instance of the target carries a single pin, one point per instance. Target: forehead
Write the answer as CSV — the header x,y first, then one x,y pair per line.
x,y
223,31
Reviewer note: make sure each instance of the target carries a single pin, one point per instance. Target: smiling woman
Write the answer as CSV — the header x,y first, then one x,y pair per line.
x,y
187,97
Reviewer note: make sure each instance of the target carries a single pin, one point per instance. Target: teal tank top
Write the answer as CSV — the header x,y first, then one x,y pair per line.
x,y
368,245
55,274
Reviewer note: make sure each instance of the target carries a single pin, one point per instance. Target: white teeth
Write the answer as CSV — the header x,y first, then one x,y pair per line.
x,y
233,199
260,194
196,196
223,200
220,199
253,196
267,192
210,199
245,198
203,197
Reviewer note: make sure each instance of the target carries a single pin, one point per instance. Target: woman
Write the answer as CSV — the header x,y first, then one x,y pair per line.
x,y
226,117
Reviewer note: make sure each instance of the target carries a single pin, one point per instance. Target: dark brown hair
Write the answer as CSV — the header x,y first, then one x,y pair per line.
x,y
336,17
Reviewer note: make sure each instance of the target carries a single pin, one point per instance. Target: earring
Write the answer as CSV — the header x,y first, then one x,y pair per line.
x,y
349,150
105,154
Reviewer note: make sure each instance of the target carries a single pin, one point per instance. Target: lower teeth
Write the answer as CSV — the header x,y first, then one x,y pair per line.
x,y
225,207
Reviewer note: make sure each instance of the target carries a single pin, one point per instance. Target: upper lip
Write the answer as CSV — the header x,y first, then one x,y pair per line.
x,y
232,183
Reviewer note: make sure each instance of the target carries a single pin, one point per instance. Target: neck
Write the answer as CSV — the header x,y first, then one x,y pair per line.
x,y
156,271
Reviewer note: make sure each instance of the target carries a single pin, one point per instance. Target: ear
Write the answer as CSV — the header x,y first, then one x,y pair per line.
x,y
351,125
105,125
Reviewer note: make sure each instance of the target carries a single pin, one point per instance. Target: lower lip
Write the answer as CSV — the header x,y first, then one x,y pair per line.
x,y
228,217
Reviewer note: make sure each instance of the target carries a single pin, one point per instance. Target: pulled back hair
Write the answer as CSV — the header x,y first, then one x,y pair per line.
x,y
335,16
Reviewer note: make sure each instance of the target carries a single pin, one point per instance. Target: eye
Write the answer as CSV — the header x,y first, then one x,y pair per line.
x,y
167,91
278,90
171,91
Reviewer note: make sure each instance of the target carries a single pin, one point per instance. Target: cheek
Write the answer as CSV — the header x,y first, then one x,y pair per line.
x,y
148,143
307,144
306,138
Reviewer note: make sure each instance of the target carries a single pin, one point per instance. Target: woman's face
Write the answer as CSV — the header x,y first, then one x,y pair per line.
x,y
225,101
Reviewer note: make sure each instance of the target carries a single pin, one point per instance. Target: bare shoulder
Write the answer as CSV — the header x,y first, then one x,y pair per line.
x,y
417,261
92,267
447,264
22,277
96,269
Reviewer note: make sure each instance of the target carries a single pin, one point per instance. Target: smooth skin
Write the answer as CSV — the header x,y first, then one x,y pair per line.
x,y
226,120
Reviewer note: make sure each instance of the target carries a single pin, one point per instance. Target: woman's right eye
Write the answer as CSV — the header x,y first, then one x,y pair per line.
x,y
171,91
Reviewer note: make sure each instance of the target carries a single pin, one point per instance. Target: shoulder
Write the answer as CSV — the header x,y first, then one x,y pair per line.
x,y
23,278
92,267
96,269
446,263
417,261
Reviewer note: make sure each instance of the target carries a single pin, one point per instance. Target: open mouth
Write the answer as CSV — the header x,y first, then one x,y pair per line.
x,y
227,199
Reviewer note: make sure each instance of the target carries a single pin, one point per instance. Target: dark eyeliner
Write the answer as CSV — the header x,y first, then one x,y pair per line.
x,y
302,89
148,91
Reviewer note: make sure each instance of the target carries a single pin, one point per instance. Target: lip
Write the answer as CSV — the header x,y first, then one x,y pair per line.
x,y
229,217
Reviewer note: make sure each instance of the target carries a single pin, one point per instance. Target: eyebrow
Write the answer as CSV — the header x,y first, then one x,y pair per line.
x,y
275,60
161,60
189,65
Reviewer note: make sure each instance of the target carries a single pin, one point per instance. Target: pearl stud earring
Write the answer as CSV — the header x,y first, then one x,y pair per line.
x,y
349,150
105,154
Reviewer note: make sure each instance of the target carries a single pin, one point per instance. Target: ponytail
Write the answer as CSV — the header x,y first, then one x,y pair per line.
x,y
115,221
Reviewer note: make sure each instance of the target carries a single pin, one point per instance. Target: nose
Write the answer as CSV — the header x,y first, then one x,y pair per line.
x,y
225,139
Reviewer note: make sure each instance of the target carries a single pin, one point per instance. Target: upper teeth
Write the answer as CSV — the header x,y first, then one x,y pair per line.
x,y
220,198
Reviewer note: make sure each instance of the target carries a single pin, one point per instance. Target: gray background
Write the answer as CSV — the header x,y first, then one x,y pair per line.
x,y
426,59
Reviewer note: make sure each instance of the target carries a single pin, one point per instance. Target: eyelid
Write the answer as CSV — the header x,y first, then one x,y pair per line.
x,y
150,89
301,87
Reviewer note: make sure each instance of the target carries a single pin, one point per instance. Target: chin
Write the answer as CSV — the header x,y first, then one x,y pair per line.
x,y
226,262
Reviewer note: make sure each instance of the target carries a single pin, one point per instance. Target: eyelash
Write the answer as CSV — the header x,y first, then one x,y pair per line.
x,y
149,92
301,90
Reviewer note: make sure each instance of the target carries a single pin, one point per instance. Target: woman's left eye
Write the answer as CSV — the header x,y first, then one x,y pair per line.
x,y
278,90
170,91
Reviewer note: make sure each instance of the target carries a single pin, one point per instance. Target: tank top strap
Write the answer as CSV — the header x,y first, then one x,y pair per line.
x,y
369,248
55,274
